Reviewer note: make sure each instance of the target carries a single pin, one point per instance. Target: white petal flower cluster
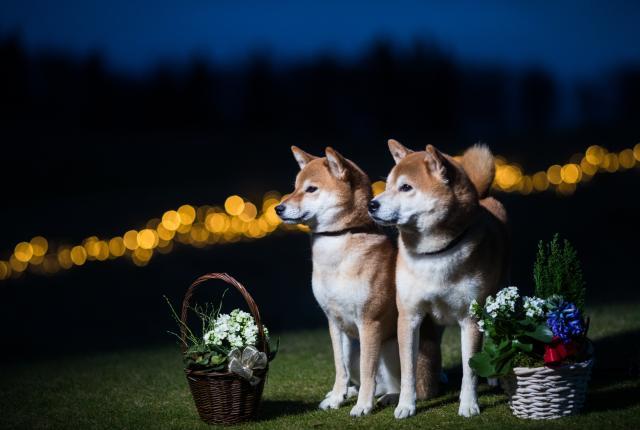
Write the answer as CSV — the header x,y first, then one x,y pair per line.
x,y
237,330
534,307
504,303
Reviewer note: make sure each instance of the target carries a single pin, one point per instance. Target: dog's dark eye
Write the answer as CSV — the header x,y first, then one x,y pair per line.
x,y
405,187
311,189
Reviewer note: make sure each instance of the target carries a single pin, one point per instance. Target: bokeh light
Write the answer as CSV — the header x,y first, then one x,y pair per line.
x,y
171,220
40,245
571,173
554,175
147,238
23,252
378,187
234,205
249,212
187,214
130,239
243,220
78,255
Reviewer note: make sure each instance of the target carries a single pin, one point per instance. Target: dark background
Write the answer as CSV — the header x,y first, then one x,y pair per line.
x,y
111,114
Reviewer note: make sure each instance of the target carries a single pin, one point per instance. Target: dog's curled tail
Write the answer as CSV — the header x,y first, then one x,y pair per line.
x,y
479,165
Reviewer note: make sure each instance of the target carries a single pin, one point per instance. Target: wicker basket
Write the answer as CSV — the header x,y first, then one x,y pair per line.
x,y
546,393
224,397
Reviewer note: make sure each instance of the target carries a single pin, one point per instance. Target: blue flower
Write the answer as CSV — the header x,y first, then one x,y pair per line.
x,y
565,321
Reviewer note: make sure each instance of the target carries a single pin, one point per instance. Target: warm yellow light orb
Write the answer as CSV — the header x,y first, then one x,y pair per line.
x,y
171,220
234,205
217,222
267,202
23,252
147,239
5,270
164,233
78,255
611,163
116,246
271,217
595,155
554,174
540,181
636,152
626,159
131,240
378,187
103,250
64,258
39,245
571,173
249,212
566,189
187,214
588,168
17,265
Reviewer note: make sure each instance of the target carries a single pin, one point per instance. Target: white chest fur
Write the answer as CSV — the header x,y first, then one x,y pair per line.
x,y
337,286
441,285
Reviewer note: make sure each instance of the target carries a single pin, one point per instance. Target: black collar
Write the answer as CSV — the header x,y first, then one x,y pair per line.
x,y
448,246
372,229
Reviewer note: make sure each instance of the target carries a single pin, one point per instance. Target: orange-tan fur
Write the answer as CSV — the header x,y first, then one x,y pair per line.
x,y
453,249
353,275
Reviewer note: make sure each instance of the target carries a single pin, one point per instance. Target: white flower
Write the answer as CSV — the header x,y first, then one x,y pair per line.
x,y
235,341
481,325
237,330
534,307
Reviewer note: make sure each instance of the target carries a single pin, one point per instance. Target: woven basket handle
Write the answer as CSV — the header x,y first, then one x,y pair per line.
x,y
247,297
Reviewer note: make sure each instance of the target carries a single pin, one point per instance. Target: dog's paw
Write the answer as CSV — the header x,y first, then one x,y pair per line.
x,y
389,399
351,392
332,401
468,408
404,410
360,410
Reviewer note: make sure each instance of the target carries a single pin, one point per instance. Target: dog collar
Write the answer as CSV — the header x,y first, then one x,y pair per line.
x,y
352,230
450,245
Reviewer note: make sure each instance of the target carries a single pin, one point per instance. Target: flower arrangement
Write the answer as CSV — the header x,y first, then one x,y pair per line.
x,y
530,331
543,330
224,337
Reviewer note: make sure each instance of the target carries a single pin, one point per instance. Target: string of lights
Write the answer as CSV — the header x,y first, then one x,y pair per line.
x,y
240,219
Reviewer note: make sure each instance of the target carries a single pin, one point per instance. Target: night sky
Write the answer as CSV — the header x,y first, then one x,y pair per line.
x,y
571,39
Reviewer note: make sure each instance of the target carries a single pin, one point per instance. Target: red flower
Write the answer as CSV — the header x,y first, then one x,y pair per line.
x,y
556,351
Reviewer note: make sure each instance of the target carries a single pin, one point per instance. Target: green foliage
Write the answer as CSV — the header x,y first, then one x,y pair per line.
x,y
200,355
510,331
557,271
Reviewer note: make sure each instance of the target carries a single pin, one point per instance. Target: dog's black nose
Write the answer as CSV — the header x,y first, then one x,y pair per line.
x,y
280,209
374,205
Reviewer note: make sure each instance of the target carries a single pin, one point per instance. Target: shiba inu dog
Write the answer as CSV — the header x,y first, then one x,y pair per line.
x,y
453,248
353,276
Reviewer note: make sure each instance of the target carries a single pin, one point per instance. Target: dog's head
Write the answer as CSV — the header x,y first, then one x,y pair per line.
x,y
328,191
427,188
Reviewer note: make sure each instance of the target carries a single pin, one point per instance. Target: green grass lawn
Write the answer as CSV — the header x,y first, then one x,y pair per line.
x,y
140,389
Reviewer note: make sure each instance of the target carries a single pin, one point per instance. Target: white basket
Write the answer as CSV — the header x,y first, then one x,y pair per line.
x,y
548,392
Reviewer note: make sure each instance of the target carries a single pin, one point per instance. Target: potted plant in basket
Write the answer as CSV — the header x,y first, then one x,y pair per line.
x,y
226,364
538,345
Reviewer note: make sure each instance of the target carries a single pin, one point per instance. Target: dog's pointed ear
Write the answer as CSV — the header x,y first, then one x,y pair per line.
x,y
398,151
438,164
303,158
337,163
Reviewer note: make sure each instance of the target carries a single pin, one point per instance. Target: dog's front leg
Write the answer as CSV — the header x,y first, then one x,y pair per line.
x,y
408,335
471,340
338,394
370,340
